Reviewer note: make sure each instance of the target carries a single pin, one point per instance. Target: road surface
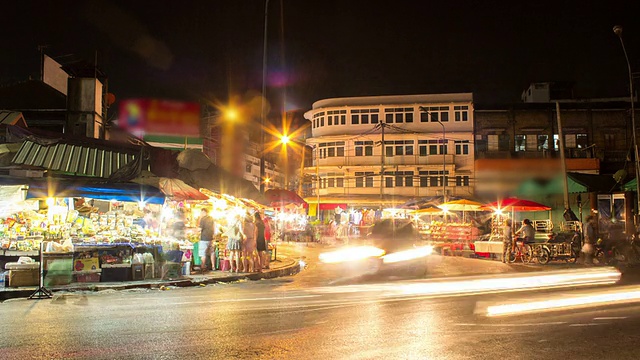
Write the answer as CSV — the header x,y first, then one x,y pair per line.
x,y
308,316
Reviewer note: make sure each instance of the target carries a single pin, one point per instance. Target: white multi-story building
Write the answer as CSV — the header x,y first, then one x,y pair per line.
x,y
351,168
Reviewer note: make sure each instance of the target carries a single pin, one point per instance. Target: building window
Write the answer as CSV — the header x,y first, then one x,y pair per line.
x,y
521,142
462,180
388,151
543,142
369,179
337,117
424,180
462,147
402,147
330,120
408,150
492,142
610,141
423,149
434,147
461,113
388,182
332,149
318,119
408,178
333,180
582,140
400,115
364,116
435,114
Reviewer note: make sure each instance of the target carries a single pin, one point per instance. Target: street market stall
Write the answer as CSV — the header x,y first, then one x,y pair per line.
x,y
503,210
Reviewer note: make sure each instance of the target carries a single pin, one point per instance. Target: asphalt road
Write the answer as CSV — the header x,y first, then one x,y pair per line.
x,y
309,316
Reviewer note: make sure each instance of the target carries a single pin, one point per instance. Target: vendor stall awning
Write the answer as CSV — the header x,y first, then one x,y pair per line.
x,y
114,191
82,160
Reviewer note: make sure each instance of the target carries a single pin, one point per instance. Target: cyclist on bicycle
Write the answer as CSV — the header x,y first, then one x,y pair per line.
x,y
527,231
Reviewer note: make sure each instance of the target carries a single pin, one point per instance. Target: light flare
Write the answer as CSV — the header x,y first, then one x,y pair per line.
x,y
351,254
406,255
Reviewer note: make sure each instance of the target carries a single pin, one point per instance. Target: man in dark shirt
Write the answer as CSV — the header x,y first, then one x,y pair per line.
x,y
206,235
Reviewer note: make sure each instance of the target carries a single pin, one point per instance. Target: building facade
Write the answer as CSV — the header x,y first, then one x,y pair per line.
x,y
385,150
232,147
517,142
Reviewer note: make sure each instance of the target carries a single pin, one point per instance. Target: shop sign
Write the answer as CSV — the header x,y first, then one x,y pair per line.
x,y
162,117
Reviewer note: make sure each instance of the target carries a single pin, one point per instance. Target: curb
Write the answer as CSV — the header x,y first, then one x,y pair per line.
x,y
290,269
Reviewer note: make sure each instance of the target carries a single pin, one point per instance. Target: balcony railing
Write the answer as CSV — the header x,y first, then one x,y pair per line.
x,y
573,153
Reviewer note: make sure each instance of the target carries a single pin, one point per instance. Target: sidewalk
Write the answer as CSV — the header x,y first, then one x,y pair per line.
x,y
281,267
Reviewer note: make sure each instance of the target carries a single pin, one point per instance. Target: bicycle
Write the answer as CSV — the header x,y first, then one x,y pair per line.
x,y
522,251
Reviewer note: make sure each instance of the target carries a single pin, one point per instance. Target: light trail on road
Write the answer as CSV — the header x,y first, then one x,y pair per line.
x,y
565,302
484,284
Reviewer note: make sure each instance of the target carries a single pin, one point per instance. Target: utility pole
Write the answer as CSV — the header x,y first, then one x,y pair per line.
x,y
443,153
263,111
618,31
304,148
562,160
317,181
382,159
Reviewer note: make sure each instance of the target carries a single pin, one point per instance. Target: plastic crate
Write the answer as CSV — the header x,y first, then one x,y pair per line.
x,y
88,277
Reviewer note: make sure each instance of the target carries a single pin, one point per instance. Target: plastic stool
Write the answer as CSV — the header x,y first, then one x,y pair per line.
x,y
225,265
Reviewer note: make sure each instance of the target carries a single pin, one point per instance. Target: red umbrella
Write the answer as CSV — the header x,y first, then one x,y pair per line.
x,y
279,197
515,204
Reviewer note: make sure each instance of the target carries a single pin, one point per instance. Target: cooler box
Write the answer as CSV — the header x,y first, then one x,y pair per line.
x,y
171,270
137,271
116,273
23,274
88,277
149,271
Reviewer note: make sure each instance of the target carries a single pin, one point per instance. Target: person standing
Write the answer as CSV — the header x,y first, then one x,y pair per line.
x,y
249,244
267,241
206,236
589,240
235,236
261,241
507,241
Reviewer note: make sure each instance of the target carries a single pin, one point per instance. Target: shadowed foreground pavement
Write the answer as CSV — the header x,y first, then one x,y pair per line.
x,y
304,317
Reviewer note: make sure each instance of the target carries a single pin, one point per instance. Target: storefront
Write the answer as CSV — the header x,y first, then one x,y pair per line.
x,y
98,232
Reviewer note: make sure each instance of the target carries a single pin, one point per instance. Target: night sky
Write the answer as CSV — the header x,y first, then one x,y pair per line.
x,y
211,50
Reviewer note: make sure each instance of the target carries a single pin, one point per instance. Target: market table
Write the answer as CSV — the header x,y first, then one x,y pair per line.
x,y
493,247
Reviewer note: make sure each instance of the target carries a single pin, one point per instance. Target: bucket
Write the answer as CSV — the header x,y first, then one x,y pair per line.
x,y
186,268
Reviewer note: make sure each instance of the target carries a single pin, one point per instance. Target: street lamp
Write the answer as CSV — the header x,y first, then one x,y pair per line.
x,y
284,140
618,31
444,152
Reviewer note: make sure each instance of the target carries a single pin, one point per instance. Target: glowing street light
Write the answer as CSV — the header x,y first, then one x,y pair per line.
x,y
284,139
231,114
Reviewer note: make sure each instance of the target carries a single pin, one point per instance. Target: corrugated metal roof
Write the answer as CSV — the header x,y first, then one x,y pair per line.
x,y
75,159
10,117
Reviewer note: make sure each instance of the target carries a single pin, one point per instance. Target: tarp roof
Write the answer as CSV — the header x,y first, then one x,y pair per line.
x,y
101,191
577,183
630,186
